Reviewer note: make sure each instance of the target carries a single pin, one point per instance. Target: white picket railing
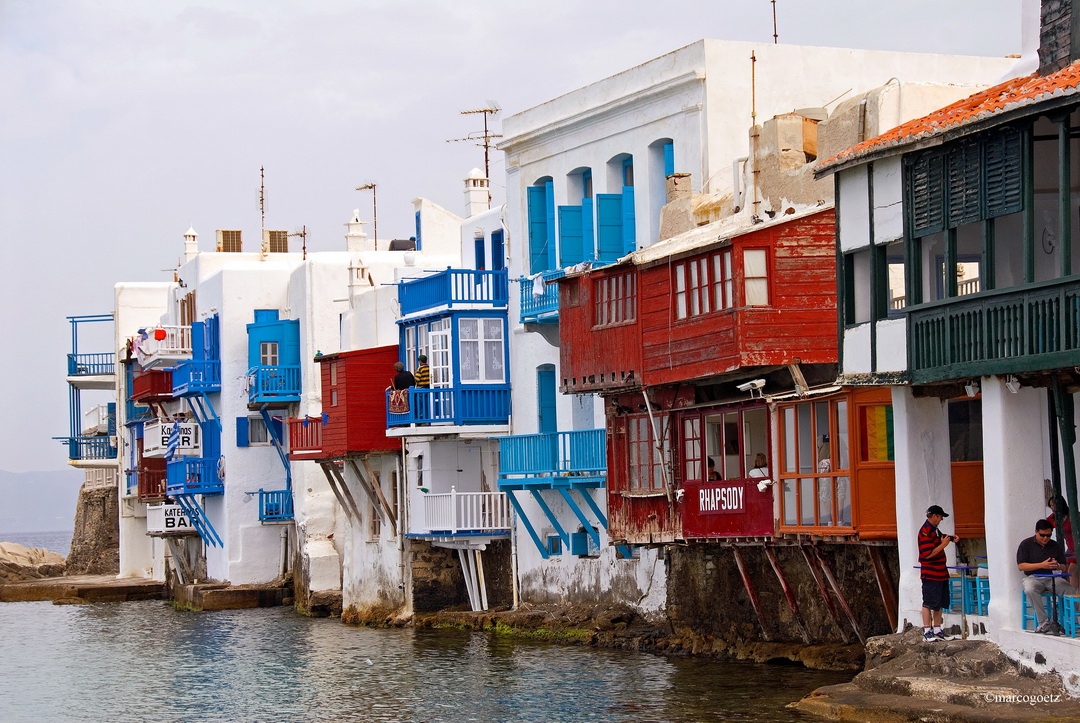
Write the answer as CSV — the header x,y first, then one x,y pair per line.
x,y
100,478
460,511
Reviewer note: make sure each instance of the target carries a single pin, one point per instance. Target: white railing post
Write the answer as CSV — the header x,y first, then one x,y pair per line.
x,y
453,510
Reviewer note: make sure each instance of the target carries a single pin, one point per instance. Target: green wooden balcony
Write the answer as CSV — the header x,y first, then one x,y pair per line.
x,y
1007,331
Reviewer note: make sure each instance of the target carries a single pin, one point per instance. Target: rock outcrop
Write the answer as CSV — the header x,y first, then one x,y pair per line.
x,y
18,562
95,544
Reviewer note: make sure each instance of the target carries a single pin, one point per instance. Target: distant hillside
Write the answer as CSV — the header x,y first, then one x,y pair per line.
x,y
38,501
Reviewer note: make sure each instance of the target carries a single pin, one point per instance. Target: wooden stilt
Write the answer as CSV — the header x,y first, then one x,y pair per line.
x,y
749,585
884,583
334,488
788,593
839,595
811,563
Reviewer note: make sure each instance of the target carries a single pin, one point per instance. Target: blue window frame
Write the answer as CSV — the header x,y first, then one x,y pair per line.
x,y
498,262
541,210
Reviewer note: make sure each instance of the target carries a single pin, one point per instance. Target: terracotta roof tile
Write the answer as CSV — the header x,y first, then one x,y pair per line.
x,y
1004,97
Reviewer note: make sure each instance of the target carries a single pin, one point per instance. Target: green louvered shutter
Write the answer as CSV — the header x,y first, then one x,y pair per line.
x,y
1004,173
927,180
964,183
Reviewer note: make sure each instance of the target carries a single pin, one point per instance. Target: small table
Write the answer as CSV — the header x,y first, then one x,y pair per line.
x,y
969,595
1055,625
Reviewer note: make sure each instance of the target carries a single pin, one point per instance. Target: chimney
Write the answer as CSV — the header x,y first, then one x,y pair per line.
x,y
1059,35
477,193
356,239
191,244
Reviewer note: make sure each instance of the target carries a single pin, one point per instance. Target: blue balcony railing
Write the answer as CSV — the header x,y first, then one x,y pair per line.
x,y
81,365
193,376
194,476
274,384
572,456
90,448
275,505
996,332
453,286
461,405
543,307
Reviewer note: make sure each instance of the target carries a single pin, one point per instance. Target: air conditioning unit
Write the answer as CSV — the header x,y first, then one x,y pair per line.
x,y
276,242
229,242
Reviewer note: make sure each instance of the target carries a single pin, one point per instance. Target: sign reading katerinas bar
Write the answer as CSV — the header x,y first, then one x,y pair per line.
x,y
156,439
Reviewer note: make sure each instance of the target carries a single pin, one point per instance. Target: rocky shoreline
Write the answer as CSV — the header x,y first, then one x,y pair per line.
x,y
19,563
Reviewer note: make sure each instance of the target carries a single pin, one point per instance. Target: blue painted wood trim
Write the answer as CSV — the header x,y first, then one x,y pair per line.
x,y
528,526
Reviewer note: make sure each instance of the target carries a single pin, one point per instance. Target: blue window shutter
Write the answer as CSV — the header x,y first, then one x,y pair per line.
x,y
242,432
210,334
571,242
497,262
609,217
669,159
538,224
549,187
418,246
481,262
588,237
290,342
629,228
198,341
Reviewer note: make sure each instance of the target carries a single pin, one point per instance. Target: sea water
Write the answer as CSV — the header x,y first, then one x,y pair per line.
x,y
145,661
59,542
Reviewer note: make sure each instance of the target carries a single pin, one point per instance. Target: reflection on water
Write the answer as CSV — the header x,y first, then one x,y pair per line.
x,y
143,661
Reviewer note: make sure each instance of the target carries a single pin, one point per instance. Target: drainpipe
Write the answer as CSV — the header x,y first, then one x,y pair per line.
x,y
659,445
736,183
899,101
284,566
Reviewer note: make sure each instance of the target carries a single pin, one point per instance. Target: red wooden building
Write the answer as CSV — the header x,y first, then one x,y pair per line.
x,y
689,343
354,407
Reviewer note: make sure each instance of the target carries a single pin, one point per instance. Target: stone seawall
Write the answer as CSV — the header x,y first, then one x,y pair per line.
x,y
95,543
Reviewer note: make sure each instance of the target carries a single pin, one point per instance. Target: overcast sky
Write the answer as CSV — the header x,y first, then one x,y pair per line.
x,y
124,122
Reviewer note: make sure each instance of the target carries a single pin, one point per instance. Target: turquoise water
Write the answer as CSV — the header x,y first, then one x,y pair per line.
x,y
144,661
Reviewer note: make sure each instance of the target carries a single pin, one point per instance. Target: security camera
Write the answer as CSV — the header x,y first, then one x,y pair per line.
x,y
752,384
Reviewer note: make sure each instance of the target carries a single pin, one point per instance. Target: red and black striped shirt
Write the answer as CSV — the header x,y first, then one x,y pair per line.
x,y
933,566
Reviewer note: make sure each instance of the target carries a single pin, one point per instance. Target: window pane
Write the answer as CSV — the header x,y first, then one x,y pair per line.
x,y
470,361
754,262
806,439
493,361
680,291
729,300
965,430
790,431
894,255
843,501
841,434
823,455
825,515
806,501
791,504
692,448
469,328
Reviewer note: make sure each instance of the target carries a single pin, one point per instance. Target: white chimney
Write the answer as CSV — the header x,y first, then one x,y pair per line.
x,y
191,244
357,239
477,193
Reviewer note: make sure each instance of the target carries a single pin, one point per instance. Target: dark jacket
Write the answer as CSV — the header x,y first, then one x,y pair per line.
x,y
404,379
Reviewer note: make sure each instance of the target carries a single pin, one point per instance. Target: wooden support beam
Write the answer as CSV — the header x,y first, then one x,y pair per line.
x,y
751,591
816,573
368,492
839,595
373,481
788,593
884,583
341,491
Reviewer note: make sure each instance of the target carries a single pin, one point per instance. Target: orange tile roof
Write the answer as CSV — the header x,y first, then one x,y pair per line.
x,y
1007,96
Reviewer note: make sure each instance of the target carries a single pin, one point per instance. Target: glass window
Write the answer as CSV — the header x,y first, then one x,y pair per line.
x,y
733,441
692,448
616,299
756,277
268,353
814,464
965,430
895,283
645,474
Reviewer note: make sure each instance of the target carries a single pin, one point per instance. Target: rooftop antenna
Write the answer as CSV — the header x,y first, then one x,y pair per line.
x,y
302,233
484,140
370,185
262,211
775,37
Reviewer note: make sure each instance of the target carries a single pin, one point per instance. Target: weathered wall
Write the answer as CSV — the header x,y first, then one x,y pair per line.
x,y
499,575
95,544
1056,35
707,598
438,583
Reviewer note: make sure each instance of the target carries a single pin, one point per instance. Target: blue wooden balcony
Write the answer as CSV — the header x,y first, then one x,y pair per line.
x,y
275,505
468,404
196,376
90,448
542,308
1006,331
453,287
91,365
271,384
561,459
193,476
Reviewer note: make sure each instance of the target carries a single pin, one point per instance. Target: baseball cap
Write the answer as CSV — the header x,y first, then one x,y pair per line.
x,y
936,510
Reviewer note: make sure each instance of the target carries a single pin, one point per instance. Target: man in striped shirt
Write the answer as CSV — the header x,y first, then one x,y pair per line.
x,y
423,373
935,578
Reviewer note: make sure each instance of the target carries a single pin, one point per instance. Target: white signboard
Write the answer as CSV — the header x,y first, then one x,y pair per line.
x,y
165,519
156,439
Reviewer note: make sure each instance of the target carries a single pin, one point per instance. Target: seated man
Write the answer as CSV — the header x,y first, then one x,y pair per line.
x,y
1039,555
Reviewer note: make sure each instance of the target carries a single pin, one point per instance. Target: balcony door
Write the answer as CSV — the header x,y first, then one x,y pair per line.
x,y
441,357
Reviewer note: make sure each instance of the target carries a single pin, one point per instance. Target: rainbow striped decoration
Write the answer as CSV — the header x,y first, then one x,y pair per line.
x,y
877,431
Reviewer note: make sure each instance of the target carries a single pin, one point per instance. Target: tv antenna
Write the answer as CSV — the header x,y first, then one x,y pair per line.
x,y
775,37
482,139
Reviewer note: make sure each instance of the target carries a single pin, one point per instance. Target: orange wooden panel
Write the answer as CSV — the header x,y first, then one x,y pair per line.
x,y
968,499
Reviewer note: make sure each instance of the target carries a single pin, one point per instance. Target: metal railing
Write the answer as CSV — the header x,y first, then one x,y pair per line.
x,y
89,448
461,405
151,384
81,365
305,434
466,511
275,505
274,384
193,376
560,453
543,307
152,482
453,286
194,476
997,332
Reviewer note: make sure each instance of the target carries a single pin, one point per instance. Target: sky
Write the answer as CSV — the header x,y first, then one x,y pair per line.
x,y
122,123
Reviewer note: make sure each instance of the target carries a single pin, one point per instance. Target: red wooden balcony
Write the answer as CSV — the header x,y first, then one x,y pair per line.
x,y
151,476
305,438
354,402
152,385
